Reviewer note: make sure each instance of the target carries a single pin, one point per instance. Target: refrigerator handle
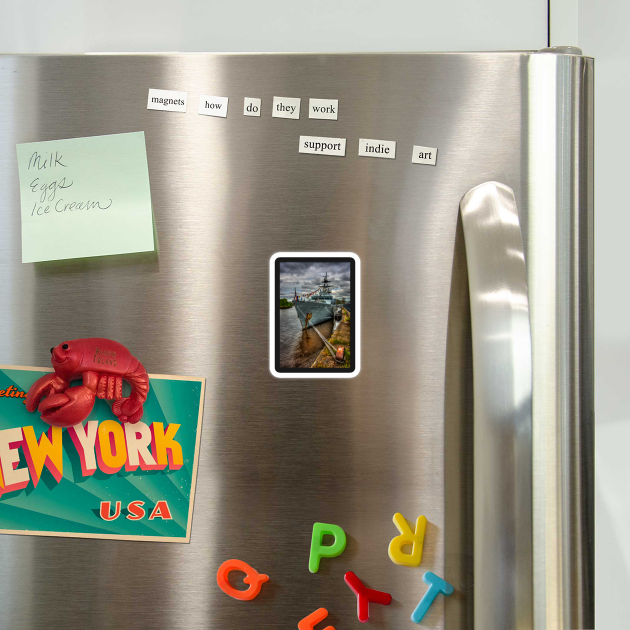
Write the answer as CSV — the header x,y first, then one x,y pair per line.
x,y
502,374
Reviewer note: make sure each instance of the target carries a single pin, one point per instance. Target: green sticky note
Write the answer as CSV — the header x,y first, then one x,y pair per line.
x,y
85,197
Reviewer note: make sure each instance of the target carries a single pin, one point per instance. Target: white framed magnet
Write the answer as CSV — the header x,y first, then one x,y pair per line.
x,y
315,315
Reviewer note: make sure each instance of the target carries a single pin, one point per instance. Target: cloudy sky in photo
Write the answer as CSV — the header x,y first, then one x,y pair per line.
x,y
307,276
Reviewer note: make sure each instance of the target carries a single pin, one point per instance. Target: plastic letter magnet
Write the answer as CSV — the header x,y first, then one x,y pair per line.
x,y
319,551
365,596
308,623
436,586
407,537
252,577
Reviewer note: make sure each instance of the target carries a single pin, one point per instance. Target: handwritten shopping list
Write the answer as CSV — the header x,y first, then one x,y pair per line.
x,y
85,197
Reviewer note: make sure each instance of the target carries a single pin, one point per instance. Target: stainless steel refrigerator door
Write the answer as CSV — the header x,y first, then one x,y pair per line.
x,y
278,455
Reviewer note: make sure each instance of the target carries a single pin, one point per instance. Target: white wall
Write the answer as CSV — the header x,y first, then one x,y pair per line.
x,y
273,25
604,29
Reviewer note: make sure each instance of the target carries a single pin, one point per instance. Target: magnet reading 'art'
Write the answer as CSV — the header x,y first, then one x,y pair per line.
x,y
319,551
102,364
252,577
407,537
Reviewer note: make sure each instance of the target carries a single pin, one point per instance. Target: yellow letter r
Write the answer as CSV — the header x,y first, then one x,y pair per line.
x,y
407,537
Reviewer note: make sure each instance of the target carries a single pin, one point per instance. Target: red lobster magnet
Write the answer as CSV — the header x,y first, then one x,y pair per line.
x,y
103,364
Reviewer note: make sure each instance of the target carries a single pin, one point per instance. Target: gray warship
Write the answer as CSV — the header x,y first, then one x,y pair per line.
x,y
316,308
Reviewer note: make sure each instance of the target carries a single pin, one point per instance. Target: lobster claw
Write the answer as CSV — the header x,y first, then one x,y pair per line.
x,y
128,410
43,386
68,408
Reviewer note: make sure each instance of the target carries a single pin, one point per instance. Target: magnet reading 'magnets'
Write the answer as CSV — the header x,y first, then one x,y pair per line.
x,y
103,364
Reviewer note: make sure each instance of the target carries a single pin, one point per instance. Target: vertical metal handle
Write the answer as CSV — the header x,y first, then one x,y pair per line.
x,y
502,373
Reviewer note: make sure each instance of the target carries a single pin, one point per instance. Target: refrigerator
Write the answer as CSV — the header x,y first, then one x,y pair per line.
x,y
470,396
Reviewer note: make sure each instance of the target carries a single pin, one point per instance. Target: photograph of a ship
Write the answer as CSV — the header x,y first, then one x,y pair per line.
x,y
314,314
319,305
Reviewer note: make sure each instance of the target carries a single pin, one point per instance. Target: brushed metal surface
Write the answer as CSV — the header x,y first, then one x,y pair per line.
x,y
560,275
502,368
276,455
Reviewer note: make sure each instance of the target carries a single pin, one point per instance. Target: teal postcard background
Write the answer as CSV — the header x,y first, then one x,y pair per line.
x,y
72,505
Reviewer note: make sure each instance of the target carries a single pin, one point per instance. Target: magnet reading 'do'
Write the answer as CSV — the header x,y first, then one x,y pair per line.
x,y
102,364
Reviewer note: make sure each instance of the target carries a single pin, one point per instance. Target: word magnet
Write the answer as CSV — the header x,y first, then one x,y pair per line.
x,y
252,577
365,595
319,550
377,148
167,100
323,108
251,106
436,586
213,105
407,537
285,107
322,146
424,155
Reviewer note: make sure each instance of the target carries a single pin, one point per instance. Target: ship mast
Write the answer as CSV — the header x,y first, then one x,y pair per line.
x,y
325,285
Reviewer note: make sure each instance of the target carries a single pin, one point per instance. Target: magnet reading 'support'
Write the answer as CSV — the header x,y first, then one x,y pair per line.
x,y
252,577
